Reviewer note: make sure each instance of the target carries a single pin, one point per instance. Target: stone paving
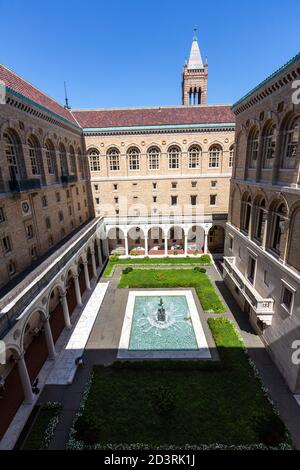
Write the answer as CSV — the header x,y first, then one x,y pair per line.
x,y
102,348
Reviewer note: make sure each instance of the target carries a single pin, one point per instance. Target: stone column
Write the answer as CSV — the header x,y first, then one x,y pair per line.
x,y
64,303
25,380
126,245
166,245
86,274
49,340
94,263
99,252
77,290
185,245
205,242
146,246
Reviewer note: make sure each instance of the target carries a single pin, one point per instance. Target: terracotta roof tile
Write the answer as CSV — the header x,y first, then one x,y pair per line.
x,y
18,84
154,116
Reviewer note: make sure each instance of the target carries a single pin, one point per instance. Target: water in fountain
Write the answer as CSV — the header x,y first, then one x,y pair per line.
x,y
172,330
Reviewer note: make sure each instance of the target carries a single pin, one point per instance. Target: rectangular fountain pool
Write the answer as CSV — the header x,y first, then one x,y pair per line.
x,y
174,333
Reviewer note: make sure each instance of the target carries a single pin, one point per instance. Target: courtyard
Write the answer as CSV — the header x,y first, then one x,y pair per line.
x,y
128,403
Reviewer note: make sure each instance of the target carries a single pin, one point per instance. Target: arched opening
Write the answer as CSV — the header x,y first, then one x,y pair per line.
x,y
260,218
136,241
252,147
94,159
51,158
34,344
90,264
269,143
156,241
195,240
293,258
246,209
63,160
11,395
116,241
276,237
14,155
70,292
81,276
216,238
72,160
35,157
291,136
176,240
199,96
96,254
57,322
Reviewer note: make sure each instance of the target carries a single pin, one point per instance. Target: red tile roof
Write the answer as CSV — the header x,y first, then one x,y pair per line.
x,y
18,84
154,116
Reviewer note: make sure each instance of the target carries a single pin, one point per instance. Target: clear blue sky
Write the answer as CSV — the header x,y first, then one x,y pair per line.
x,y
121,53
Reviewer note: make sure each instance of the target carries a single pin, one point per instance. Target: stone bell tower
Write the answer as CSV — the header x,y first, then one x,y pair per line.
x,y
194,78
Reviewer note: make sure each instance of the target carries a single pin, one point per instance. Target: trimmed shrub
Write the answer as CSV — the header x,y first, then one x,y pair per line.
x,y
206,259
127,270
199,270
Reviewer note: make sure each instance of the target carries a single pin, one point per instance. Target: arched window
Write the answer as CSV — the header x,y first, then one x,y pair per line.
x,y
194,156
153,158
260,221
253,147
114,159
277,226
291,139
63,159
246,212
94,157
80,163
269,142
174,154
72,160
214,156
133,158
50,156
33,155
11,151
231,155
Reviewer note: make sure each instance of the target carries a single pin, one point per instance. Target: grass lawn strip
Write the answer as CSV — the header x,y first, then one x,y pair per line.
x,y
168,278
115,261
43,427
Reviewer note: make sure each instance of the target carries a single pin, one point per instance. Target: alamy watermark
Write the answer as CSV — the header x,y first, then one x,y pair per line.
x,y
296,353
296,94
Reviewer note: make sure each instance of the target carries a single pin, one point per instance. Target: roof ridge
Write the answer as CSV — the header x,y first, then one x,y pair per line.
x,y
78,110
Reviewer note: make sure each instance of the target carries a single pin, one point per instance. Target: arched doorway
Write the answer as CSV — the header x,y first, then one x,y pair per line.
x,y
195,240
156,240
116,241
34,344
12,395
96,254
70,292
136,241
90,264
57,322
216,237
176,240
81,277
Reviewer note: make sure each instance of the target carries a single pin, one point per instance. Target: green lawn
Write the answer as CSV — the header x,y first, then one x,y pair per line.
x,y
114,261
42,429
181,402
160,278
